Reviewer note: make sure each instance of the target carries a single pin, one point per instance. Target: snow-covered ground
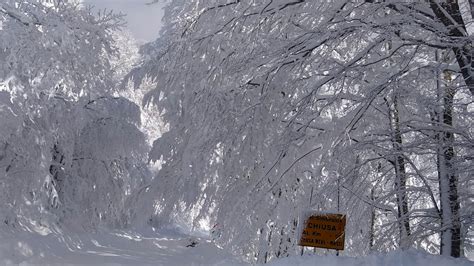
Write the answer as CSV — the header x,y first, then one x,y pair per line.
x,y
168,247
409,258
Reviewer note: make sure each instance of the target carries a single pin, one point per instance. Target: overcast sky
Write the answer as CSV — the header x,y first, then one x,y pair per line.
x,y
143,21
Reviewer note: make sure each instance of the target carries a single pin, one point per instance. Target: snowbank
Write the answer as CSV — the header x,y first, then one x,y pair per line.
x,y
398,258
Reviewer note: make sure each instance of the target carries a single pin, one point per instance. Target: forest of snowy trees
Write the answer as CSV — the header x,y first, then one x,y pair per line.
x,y
243,115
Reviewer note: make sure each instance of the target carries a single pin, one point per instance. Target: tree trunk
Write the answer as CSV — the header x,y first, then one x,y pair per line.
x,y
372,222
448,181
471,6
449,13
269,244
400,176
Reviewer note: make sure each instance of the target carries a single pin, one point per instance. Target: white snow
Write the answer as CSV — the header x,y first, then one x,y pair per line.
x,y
396,258
168,247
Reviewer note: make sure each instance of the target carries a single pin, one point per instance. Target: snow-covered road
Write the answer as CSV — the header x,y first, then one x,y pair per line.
x,y
169,248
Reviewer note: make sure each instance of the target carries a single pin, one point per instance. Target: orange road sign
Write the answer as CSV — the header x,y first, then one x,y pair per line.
x,y
324,231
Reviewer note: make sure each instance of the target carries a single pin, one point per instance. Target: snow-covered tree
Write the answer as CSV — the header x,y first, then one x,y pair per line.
x,y
267,101
72,153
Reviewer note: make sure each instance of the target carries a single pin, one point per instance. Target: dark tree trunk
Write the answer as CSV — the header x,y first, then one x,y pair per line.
x,y
448,181
400,175
372,222
448,12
